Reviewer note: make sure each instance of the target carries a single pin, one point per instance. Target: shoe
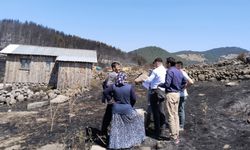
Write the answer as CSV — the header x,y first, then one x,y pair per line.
x,y
176,141
159,145
102,138
181,129
163,127
157,137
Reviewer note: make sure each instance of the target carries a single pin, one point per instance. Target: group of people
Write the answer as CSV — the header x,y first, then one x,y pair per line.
x,y
127,126
167,86
172,81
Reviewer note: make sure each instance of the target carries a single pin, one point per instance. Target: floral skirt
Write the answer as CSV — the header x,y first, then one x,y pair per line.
x,y
126,130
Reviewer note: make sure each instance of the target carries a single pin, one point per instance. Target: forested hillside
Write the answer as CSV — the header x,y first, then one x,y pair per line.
x,y
16,32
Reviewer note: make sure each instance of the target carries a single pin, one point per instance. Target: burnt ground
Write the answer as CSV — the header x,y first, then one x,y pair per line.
x,y
219,117
216,118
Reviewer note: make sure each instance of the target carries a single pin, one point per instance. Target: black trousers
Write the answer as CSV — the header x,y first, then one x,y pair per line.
x,y
157,107
107,118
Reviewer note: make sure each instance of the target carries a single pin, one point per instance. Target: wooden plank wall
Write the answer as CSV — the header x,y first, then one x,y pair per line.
x,y
38,72
74,75
2,67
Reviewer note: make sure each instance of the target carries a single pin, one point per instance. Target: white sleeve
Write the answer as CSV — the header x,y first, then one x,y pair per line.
x,y
187,77
150,78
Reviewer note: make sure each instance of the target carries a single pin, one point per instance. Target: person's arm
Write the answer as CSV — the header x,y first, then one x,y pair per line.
x,y
189,80
168,79
104,83
108,93
132,96
184,83
150,78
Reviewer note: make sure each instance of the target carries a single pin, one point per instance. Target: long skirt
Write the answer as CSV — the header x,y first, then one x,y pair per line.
x,y
126,130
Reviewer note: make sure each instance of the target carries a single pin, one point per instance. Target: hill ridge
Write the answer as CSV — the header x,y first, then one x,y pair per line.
x,y
189,56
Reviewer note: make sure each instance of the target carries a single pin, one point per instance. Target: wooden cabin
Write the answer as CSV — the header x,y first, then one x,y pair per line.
x,y
58,67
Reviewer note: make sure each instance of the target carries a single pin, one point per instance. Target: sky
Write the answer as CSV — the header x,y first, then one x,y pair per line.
x,y
173,25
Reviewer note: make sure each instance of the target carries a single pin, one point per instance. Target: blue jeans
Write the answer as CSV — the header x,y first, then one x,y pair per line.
x,y
181,110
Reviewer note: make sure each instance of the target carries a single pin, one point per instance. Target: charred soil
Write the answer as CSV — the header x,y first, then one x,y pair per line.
x,y
216,118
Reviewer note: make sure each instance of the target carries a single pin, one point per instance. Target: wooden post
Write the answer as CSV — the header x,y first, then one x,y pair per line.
x,y
59,74
86,75
14,70
5,73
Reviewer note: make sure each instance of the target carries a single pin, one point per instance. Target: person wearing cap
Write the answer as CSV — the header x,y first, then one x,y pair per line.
x,y
127,126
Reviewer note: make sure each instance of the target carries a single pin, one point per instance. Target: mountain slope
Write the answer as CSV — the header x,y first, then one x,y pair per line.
x,y
151,52
217,53
191,56
212,55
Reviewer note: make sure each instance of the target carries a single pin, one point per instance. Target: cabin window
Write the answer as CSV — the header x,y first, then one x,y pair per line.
x,y
25,63
48,65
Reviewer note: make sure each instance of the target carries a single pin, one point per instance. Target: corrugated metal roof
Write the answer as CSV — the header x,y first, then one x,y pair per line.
x,y
63,54
74,58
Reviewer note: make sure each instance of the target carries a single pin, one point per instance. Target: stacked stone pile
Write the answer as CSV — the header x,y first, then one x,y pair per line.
x,y
19,92
132,73
11,96
222,71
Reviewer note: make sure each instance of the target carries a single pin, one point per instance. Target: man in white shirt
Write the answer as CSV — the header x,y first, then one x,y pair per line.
x,y
183,96
157,77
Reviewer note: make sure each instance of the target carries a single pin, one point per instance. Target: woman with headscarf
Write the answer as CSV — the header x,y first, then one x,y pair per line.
x,y
127,126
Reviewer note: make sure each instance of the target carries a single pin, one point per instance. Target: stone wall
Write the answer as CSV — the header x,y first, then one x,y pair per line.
x,y
19,92
222,71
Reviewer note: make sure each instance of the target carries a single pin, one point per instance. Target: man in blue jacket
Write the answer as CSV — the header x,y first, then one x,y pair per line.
x,y
174,84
